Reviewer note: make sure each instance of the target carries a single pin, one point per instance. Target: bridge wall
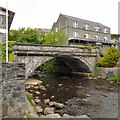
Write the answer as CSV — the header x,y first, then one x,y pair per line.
x,y
13,90
35,55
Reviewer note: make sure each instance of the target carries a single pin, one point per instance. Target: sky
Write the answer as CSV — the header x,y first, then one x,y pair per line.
x,y
43,13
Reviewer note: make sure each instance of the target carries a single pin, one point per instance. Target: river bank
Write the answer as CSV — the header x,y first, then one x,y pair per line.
x,y
78,96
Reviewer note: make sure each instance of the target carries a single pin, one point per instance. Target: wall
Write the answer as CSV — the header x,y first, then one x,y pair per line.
x,y
13,89
105,71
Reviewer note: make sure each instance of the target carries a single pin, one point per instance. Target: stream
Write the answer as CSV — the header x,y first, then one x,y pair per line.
x,y
82,96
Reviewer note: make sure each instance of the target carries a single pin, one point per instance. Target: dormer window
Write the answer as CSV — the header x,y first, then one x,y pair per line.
x,y
97,28
75,24
105,30
86,27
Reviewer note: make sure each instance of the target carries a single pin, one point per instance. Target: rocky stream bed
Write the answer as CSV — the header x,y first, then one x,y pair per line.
x,y
69,97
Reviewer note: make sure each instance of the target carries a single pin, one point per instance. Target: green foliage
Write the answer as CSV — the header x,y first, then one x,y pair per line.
x,y
11,55
110,59
116,79
28,36
115,36
30,99
55,38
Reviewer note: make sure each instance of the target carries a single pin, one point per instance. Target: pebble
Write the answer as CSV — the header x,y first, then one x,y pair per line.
x,y
48,110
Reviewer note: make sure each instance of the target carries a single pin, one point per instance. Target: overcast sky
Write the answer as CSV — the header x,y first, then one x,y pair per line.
x,y
43,13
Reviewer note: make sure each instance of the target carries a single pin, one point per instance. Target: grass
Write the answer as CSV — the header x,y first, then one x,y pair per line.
x,y
28,116
30,99
115,78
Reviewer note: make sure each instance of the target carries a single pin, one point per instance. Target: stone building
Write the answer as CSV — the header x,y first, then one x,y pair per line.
x,y
83,32
3,22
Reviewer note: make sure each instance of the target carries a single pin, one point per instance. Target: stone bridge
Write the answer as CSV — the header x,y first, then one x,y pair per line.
x,y
77,59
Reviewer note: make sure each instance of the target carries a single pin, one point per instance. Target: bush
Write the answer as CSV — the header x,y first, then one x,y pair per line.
x,y
110,59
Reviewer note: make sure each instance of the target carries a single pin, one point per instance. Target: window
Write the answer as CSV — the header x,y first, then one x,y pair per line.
x,y
105,38
96,37
86,36
75,24
105,30
97,28
75,34
0,20
86,27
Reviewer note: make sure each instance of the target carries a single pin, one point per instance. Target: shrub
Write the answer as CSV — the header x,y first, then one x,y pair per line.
x,y
110,59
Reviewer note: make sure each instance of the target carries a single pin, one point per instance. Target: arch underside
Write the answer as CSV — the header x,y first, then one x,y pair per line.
x,y
75,64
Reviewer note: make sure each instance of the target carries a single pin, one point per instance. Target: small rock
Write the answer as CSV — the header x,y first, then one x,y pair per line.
x,y
60,85
31,91
48,110
36,87
47,101
66,115
82,116
42,87
38,101
56,115
88,95
47,85
37,92
52,97
111,81
39,109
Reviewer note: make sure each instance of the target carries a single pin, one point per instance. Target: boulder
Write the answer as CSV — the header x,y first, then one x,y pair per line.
x,y
47,101
48,110
42,87
38,109
33,82
57,105
36,87
37,92
56,115
37,101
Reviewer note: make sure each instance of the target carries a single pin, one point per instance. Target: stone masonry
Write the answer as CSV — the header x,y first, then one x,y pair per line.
x,y
13,90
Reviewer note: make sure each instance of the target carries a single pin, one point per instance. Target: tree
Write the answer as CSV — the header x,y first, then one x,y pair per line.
x,y
55,38
110,59
29,36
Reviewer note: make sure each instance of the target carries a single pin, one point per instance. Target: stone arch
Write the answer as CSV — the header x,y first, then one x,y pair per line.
x,y
76,64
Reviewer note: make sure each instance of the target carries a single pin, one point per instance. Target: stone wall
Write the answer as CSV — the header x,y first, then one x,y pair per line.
x,y
108,72
13,89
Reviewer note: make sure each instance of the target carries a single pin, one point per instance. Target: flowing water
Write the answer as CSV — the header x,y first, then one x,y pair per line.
x,y
95,98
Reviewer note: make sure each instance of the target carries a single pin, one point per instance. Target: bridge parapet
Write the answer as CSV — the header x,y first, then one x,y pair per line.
x,y
52,50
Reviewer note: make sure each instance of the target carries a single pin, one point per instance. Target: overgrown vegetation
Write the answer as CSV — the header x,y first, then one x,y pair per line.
x,y
11,55
115,78
110,59
28,36
30,99
55,38
115,36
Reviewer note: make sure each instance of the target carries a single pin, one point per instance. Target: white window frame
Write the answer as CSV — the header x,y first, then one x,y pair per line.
x,y
86,26
96,37
105,38
75,24
86,36
105,30
76,34
97,28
